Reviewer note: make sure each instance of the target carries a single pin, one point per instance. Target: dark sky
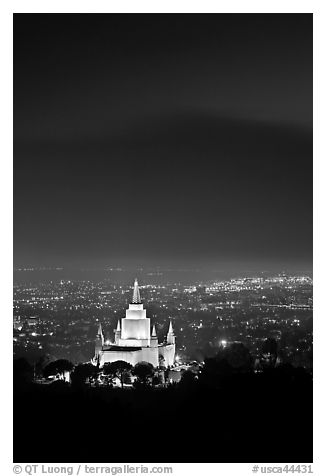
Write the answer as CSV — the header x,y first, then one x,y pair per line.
x,y
163,139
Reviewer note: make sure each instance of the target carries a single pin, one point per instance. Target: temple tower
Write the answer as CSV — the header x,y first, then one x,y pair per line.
x,y
99,340
154,339
135,326
170,338
117,333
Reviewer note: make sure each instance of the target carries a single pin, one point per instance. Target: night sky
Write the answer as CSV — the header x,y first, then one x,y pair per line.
x,y
163,139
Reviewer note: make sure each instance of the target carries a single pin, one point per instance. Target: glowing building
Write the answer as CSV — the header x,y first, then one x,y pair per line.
x,y
135,340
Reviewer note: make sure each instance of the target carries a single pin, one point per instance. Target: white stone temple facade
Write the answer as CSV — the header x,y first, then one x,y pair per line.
x,y
135,340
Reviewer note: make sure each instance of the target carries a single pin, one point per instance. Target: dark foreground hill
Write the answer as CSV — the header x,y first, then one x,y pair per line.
x,y
233,418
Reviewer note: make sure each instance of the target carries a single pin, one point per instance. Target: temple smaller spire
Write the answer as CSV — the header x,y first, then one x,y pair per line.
x,y
99,330
136,293
117,333
99,339
154,331
170,338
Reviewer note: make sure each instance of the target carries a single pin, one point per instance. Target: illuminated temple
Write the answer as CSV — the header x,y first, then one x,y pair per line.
x,y
135,339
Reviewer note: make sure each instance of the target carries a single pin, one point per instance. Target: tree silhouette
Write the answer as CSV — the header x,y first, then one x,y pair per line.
x,y
144,371
83,372
118,369
156,380
58,367
40,365
188,380
215,370
236,355
269,352
230,360
22,372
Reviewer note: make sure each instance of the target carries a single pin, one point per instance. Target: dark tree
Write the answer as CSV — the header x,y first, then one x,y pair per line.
x,y
119,369
144,372
156,380
41,363
237,356
269,353
22,372
58,367
230,360
82,373
214,371
188,379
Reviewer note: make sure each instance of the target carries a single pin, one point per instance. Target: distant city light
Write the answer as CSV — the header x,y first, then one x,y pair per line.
x,y
241,309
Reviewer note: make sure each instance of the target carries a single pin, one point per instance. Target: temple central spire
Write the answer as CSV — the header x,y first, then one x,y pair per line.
x,y
136,293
